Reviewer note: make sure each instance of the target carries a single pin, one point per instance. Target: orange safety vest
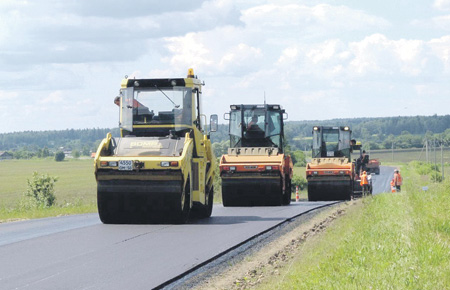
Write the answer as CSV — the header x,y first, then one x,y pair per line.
x,y
364,179
398,179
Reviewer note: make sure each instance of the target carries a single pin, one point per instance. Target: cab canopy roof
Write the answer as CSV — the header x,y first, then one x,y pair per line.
x,y
154,83
342,128
272,107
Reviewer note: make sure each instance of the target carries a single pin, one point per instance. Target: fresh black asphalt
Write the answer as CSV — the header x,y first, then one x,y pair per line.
x,y
79,252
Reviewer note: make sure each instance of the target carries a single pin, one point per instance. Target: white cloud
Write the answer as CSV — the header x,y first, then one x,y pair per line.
x,y
441,48
441,22
380,55
300,18
442,5
53,97
45,32
64,60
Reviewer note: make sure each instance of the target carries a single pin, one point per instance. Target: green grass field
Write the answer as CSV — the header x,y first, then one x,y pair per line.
x,y
75,189
389,241
76,179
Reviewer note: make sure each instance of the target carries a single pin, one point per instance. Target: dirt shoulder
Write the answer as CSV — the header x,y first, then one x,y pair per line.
x,y
267,258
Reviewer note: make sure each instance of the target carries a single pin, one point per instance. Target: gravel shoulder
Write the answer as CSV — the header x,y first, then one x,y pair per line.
x,y
266,256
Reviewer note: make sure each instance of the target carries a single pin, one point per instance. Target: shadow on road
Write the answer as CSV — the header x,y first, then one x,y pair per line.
x,y
229,220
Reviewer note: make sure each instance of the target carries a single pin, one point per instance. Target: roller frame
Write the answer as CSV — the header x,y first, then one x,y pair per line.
x,y
252,190
328,188
140,201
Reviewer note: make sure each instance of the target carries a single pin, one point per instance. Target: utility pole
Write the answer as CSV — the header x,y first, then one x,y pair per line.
x,y
392,151
426,149
435,161
442,158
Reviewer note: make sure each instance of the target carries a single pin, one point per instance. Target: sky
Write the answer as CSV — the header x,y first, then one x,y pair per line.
x,y
62,61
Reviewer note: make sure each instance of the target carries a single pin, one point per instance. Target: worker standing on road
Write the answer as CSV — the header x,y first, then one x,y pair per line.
x,y
361,162
398,180
364,183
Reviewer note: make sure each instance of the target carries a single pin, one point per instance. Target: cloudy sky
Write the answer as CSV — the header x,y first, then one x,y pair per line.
x,y
61,61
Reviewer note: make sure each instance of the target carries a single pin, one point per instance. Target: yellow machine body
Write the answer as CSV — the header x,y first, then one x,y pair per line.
x,y
161,169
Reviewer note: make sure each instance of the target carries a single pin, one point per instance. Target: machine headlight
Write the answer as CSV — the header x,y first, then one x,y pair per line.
x,y
108,163
169,163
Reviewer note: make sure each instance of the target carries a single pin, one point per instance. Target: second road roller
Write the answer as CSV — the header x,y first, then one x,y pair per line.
x,y
256,171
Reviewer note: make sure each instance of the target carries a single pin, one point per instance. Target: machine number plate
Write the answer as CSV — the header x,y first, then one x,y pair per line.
x,y
125,165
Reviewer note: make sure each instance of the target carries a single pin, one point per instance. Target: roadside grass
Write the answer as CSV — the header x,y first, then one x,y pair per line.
x,y
75,189
388,241
17,213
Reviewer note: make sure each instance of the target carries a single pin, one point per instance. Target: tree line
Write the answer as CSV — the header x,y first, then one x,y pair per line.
x,y
374,133
41,144
378,133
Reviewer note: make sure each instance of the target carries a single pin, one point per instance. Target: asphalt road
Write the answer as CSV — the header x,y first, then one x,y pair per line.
x,y
79,252
382,182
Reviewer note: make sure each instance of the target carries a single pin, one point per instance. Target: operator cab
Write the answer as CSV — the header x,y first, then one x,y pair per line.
x,y
256,126
160,107
157,108
329,142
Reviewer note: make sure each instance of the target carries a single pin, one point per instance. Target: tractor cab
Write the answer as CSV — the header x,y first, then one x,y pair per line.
x,y
256,126
330,142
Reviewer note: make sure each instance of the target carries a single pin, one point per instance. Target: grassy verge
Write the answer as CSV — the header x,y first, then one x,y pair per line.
x,y
390,241
16,213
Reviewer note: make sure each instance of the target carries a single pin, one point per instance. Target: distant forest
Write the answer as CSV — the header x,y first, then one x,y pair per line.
x,y
85,140
374,133
379,133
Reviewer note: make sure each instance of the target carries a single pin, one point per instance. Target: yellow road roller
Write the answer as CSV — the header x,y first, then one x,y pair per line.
x,y
161,169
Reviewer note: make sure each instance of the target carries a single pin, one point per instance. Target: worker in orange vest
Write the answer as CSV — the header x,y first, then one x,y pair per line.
x,y
392,185
398,180
136,104
364,183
